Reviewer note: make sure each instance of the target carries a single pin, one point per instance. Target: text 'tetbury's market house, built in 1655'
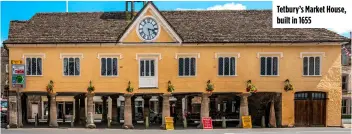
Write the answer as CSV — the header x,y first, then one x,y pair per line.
x,y
219,63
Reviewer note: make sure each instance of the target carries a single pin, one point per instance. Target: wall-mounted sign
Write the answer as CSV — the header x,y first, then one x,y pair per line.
x,y
18,76
207,123
246,121
16,62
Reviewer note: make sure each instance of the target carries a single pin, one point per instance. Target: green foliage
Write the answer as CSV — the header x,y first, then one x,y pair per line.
x,y
288,85
210,86
250,87
90,88
129,87
170,87
50,87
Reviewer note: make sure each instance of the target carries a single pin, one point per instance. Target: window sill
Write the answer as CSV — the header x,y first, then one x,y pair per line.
x,y
311,75
269,75
34,75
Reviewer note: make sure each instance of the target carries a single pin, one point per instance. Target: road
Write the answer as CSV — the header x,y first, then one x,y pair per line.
x,y
187,131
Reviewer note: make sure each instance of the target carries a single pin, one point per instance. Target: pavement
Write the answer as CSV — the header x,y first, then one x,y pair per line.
x,y
323,130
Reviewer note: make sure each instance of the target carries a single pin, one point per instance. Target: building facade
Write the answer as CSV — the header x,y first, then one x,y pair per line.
x,y
238,53
346,81
4,72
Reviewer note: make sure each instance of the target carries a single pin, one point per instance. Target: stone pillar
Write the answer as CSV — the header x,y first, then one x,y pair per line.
x,y
128,112
272,120
109,111
243,106
90,110
166,109
19,110
53,111
13,112
114,109
146,110
204,107
105,112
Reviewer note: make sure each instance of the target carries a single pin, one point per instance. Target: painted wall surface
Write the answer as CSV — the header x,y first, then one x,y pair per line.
x,y
248,68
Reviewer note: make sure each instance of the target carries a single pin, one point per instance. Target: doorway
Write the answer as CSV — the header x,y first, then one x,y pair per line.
x,y
148,73
310,109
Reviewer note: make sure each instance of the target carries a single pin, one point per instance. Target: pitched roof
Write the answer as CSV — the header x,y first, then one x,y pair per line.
x,y
225,26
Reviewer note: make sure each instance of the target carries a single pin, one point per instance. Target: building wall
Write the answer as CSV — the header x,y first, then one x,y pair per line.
x,y
4,74
248,68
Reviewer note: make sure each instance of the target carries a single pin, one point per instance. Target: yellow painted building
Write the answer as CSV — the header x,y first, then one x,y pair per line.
x,y
187,48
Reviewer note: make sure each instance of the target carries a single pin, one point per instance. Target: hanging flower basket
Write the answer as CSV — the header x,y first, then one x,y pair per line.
x,y
90,88
50,87
288,85
210,86
129,88
170,87
250,87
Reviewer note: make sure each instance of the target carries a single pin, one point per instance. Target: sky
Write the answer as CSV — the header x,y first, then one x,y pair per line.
x,y
24,10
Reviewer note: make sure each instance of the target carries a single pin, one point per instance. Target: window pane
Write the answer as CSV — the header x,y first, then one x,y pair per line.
x,y
305,66
142,68
151,67
317,65
103,66
268,65
147,68
275,66
180,66
232,64
311,65
71,66
39,66
221,66
65,66
187,66
114,66
108,66
227,66
34,66
77,66
193,66
28,65
262,66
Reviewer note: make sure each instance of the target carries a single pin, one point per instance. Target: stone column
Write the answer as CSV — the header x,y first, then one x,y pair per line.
x,y
13,112
128,112
146,110
204,108
166,109
105,112
114,109
243,106
109,111
19,110
53,111
90,110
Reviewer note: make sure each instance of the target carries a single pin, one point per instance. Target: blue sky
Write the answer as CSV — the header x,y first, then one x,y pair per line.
x,y
24,10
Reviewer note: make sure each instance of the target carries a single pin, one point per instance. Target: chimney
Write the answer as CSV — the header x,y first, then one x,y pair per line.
x,y
130,8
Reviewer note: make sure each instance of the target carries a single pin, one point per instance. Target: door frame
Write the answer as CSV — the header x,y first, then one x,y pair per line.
x,y
156,71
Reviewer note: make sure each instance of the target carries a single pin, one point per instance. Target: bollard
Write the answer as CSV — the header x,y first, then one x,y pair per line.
x,y
146,122
109,122
223,119
184,122
36,120
72,121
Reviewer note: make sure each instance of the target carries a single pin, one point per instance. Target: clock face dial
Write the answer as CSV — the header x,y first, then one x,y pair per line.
x,y
148,29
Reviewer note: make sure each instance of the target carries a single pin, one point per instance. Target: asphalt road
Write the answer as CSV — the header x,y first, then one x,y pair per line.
x,y
187,131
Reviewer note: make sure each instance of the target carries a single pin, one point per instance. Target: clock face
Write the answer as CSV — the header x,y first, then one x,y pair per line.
x,y
148,29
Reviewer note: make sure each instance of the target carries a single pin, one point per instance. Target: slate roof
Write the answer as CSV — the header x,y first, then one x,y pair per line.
x,y
224,26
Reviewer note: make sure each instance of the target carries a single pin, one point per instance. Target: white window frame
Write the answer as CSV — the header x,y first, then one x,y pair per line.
x,y
272,70
33,55
187,55
223,66
109,55
228,55
71,55
320,66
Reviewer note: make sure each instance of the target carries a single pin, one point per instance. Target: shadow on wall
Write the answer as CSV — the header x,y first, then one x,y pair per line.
x,y
259,105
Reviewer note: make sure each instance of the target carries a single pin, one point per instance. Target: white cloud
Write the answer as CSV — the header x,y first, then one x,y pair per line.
x,y
227,6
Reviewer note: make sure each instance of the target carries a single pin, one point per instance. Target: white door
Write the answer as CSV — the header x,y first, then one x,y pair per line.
x,y
148,73
34,110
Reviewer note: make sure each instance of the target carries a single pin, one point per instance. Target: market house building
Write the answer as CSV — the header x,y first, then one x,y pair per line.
x,y
189,49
